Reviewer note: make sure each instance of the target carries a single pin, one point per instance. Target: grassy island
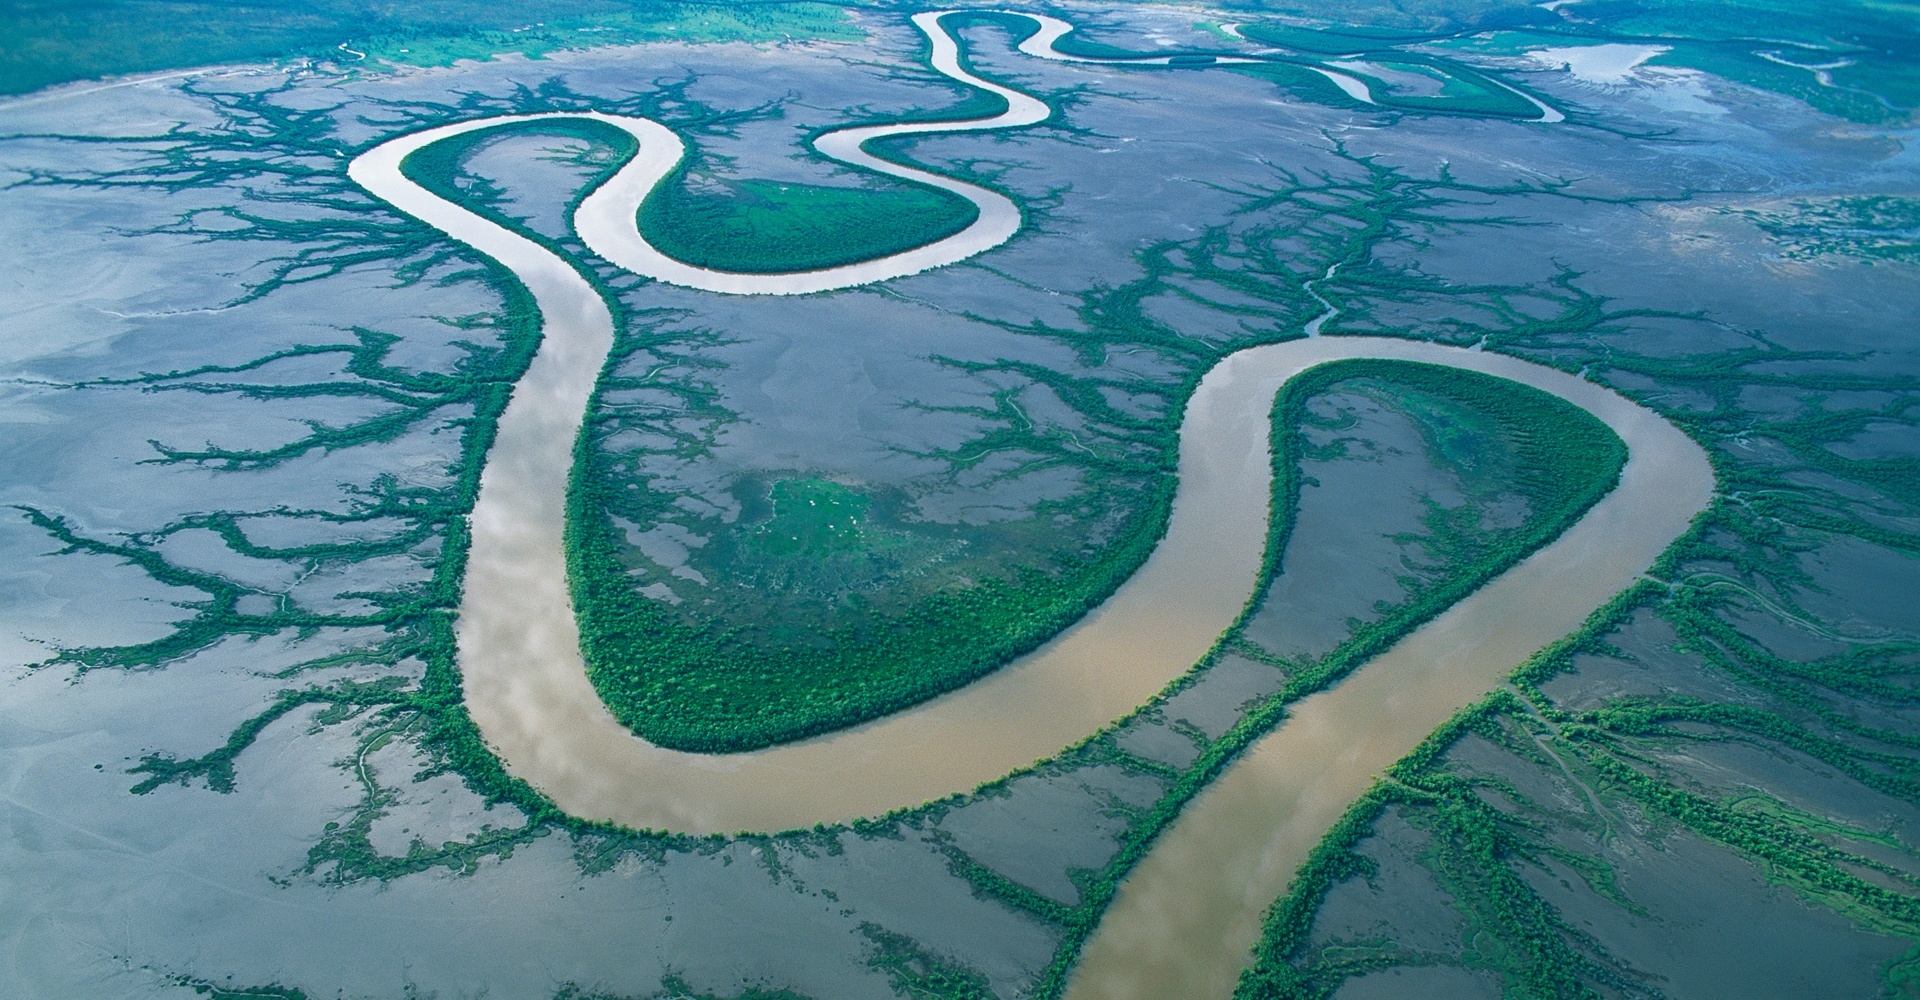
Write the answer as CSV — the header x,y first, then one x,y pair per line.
x,y
769,227
681,675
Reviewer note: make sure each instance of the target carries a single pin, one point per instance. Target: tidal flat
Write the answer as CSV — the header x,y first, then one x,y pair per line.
x,y
240,399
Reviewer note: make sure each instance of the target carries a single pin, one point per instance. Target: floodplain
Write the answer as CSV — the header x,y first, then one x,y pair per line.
x,y
251,406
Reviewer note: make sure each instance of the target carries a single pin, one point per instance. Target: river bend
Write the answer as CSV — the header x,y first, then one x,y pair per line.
x,y
1185,920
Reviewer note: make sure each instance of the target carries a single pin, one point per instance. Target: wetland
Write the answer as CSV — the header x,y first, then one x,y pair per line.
x,y
819,549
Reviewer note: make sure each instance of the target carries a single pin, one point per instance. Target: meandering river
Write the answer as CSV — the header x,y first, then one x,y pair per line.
x,y
1185,920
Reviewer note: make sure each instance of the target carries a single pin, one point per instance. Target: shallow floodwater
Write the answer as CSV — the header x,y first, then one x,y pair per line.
x,y
111,894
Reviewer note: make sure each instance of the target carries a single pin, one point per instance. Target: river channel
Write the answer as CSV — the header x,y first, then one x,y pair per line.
x,y
1184,922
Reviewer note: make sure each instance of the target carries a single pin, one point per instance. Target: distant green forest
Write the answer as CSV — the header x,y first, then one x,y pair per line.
x,y
1869,50
56,41
1857,59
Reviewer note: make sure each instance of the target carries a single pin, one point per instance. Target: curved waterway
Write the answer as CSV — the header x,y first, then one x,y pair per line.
x,y
1042,45
607,220
1185,920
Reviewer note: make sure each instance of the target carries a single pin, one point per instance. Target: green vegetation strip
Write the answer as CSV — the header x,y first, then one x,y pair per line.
x,y
55,41
1480,851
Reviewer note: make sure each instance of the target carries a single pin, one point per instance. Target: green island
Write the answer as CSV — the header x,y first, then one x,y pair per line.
x,y
848,608
768,227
